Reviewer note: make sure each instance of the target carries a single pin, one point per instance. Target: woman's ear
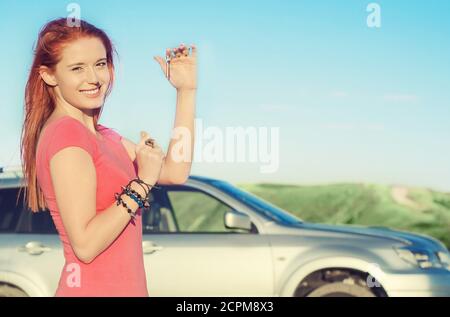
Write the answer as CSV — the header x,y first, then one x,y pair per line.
x,y
47,76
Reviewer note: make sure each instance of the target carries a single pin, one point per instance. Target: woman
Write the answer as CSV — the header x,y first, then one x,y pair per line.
x,y
95,183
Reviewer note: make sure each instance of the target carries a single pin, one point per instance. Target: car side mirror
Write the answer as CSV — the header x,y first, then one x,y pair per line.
x,y
237,220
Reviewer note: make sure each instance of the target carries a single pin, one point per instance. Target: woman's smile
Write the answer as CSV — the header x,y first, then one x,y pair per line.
x,y
92,93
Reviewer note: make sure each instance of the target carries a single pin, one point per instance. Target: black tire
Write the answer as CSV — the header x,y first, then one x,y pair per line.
x,y
11,291
341,290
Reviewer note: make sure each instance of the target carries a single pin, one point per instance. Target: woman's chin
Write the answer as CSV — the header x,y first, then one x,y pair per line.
x,y
93,105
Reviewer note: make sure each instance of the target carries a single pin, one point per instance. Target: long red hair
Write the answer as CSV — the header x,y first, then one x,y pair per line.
x,y
40,100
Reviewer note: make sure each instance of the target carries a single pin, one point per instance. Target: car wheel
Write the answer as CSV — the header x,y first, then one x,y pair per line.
x,y
10,291
341,290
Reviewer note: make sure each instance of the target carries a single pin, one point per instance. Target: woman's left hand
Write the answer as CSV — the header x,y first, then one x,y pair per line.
x,y
181,67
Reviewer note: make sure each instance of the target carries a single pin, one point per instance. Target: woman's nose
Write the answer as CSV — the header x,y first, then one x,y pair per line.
x,y
92,76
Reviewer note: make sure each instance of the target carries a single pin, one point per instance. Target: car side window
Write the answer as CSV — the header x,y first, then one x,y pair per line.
x,y
9,212
39,222
197,211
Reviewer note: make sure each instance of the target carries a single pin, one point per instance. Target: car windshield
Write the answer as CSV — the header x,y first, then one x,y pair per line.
x,y
260,205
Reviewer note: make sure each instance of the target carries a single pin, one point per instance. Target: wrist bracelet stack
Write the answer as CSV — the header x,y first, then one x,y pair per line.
x,y
141,201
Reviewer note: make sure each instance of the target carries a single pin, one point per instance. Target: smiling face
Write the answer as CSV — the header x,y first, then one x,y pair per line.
x,y
81,77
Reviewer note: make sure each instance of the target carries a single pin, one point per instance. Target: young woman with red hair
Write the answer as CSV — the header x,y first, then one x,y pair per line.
x,y
94,182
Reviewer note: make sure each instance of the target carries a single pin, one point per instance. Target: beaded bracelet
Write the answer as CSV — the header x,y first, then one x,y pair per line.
x,y
130,192
131,212
124,204
121,201
147,192
142,202
127,190
136,199
142,183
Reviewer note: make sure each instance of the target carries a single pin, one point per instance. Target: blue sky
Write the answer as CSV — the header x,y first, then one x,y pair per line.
x,y
352,103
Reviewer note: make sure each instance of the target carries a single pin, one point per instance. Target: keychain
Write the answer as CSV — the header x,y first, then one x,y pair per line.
x,y
168,67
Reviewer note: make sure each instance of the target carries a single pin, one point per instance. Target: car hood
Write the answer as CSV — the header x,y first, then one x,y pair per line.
x,y
409,238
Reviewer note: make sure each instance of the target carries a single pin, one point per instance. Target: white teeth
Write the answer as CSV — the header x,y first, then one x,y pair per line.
x,y
90,92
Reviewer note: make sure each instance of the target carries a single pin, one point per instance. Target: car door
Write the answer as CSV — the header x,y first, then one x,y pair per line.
x,y
188,251
35,248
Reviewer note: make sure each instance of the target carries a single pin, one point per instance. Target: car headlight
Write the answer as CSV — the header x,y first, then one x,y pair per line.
x,y
444,258
420,258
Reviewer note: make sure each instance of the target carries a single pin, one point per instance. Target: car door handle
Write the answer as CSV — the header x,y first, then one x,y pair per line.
x,y
34,248
149,247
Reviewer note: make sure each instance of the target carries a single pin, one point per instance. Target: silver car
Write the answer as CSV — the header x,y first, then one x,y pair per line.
x,y
209,238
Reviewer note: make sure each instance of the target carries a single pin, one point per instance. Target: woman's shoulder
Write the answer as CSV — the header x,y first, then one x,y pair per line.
x,y
65,132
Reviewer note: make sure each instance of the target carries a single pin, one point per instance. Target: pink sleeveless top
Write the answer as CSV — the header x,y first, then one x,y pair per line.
x,y
119,269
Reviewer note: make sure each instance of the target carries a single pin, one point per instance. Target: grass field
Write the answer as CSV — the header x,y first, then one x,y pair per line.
x,y
406,208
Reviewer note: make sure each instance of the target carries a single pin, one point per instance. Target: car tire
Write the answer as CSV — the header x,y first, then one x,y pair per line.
x,y
10,291
341,290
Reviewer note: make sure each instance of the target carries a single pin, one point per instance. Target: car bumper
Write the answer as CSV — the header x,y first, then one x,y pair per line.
x,y
421,284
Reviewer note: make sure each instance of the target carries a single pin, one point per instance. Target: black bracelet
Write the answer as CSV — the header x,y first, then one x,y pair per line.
x,y
134,195
146,191
142,202
124,204
127,190
141,181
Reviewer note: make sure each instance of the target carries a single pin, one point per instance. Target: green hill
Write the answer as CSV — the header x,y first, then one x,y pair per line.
x,y
406,208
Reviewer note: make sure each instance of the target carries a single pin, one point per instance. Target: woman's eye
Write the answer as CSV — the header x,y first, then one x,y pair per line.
x,y
75,69
101,64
